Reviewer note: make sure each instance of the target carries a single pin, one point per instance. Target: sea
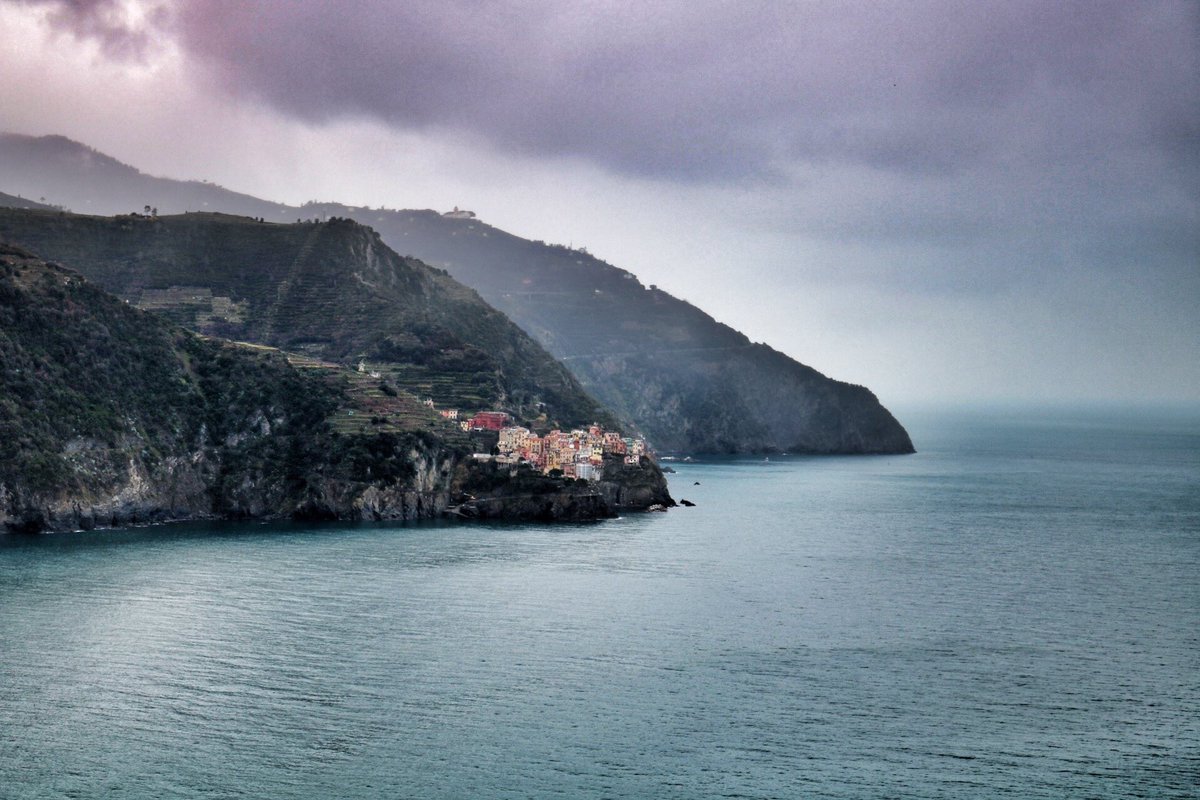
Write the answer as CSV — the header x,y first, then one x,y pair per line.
x,y
1014,611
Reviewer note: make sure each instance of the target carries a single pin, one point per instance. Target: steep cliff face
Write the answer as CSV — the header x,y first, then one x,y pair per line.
x,y
111,416
687,381
499,492
634,486
204,483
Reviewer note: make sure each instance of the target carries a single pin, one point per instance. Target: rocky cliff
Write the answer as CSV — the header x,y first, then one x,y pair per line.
x,y
113,416
687,381
502,492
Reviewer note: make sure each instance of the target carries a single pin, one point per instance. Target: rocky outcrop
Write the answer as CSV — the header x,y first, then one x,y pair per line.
x,y
425,495
111,416
133,496
209,483
571,504
633,486
516,492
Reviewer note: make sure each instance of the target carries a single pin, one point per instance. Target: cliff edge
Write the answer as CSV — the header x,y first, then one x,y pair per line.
x,y
112,416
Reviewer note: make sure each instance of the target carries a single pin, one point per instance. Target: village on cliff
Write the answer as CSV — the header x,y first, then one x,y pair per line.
x,y
579,453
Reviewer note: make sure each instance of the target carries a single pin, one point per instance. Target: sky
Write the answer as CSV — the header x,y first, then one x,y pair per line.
x,y
943,201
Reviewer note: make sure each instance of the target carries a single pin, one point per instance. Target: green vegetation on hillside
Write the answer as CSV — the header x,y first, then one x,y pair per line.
x,y
329,290
99,399
687,381
111,415
68,373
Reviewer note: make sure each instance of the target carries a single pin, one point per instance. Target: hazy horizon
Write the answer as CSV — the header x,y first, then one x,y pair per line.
x,y
946,203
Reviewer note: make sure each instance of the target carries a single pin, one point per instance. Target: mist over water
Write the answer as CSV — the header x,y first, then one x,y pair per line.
x,y
1012,611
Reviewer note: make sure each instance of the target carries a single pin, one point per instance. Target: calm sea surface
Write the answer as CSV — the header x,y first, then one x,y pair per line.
x,y
1013,612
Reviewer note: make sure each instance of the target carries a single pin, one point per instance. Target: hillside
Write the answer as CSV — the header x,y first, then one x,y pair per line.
x,y
687,381
86,181
9,201
110,416
329,290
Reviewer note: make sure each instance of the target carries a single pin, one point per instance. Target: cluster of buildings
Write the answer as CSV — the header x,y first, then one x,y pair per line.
x,y
579,453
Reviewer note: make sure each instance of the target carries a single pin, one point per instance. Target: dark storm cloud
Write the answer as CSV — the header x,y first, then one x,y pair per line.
x,y
1036,132
106,22
1011,178
702,90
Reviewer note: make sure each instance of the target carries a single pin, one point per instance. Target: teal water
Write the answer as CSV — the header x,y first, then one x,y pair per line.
x,y
1011,612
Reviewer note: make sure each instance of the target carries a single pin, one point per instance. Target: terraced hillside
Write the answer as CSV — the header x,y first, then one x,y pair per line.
x,y
370,403
332,291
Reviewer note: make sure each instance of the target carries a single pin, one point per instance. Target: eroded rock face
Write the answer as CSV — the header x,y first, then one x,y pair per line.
x,y
634,487
176,489
182,489
112,416
528,496
425,495
568,505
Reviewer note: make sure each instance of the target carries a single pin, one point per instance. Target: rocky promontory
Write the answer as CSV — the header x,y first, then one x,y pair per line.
x,y
518,492
112,416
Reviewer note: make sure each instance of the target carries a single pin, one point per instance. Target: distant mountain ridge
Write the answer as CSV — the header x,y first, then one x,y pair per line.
x,y
86,181
687,381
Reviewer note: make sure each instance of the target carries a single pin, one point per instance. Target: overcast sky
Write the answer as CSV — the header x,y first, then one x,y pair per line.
x,y
964,201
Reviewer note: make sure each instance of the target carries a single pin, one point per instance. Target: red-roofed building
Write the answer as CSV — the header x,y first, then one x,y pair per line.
x,y
489,421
